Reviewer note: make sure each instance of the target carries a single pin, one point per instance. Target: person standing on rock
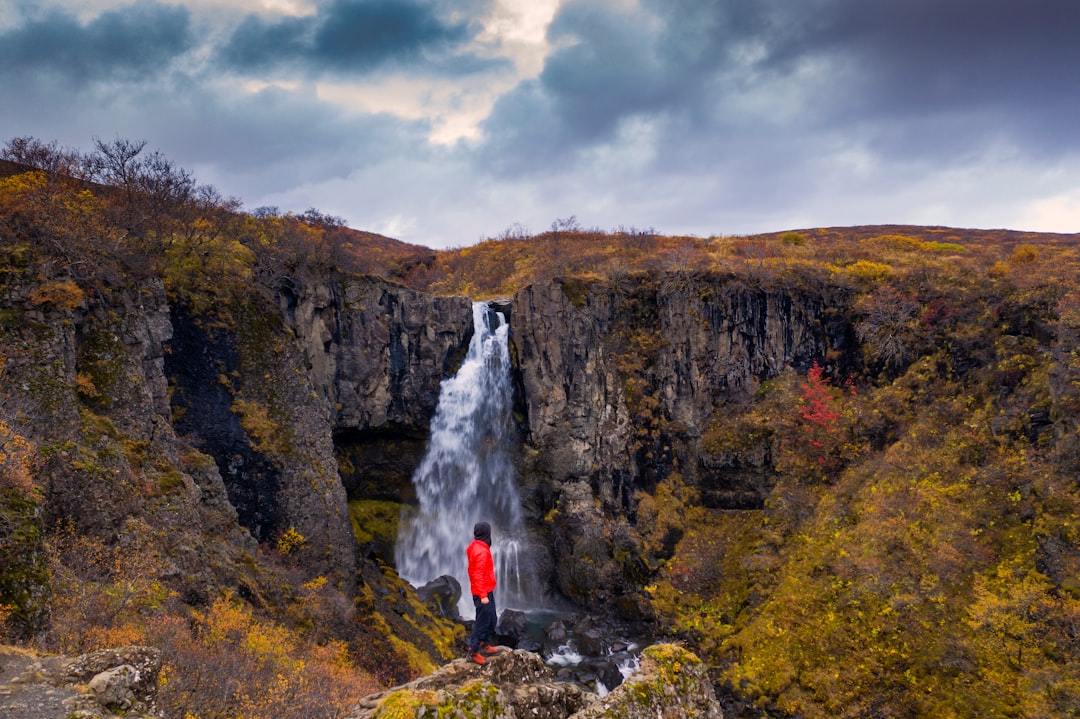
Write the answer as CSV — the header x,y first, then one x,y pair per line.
x,y
482,583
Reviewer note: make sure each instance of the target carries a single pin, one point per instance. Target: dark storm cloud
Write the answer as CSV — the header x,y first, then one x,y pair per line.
x,y
354,36
130,43
920,76
955,70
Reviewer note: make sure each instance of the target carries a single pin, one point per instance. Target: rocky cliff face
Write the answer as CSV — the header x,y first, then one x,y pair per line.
x,y
376,354
337,366
84,383
619,383
287,411
220,430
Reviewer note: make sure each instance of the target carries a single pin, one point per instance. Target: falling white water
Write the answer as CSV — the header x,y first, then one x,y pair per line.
x,y
466,476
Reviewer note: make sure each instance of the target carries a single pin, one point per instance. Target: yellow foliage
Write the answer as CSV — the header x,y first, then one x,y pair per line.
x,y
290,541
267,435
868,271
1024,255
84,385
315,584
64,295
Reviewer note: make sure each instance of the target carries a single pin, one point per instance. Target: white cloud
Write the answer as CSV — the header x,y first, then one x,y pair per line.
x,y
1058,213
518,28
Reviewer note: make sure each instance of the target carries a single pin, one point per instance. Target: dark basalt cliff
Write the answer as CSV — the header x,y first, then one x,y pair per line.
x,y
619,382
350,362
270,419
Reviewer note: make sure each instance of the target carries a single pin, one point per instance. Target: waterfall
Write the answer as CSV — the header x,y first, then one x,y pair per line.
x,y
466,476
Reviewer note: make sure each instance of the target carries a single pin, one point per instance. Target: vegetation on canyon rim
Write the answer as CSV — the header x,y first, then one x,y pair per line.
x,y
917,554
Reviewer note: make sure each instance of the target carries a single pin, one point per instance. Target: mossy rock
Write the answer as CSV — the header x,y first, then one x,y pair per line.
x,y
24,577
374,520
405,704
477,699
672,681
375,527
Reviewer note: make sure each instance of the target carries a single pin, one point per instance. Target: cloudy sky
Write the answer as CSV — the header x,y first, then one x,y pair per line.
x,y
442,122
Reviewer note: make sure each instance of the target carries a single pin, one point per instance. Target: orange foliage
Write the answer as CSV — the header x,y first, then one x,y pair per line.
x,y
222,661
64,295
226,662
18,460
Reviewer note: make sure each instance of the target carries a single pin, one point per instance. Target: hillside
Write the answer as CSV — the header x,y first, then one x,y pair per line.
x,y
838,463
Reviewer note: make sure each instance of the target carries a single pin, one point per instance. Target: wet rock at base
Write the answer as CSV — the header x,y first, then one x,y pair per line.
x,y
604,669
511,624
442,594
556,632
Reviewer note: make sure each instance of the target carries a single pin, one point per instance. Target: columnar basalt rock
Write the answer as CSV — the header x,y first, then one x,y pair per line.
x,y
377,352
349,359
702,341
620,379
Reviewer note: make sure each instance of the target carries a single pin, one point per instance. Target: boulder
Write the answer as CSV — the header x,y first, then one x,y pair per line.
x,y
511,624
128,674
590,642
442,594
605,670
556,632
115,688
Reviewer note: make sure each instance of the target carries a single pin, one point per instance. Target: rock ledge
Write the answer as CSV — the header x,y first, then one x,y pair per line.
x,y
516,684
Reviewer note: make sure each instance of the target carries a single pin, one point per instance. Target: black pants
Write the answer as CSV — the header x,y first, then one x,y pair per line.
x,y
484,627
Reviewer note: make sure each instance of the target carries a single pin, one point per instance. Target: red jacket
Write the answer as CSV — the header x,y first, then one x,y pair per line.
x,y
481,568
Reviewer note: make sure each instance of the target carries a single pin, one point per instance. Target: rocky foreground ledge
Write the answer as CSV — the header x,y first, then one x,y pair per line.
x,y
515,684
101,685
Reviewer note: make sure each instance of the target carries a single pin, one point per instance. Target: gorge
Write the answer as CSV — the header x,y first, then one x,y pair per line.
x,y
876,437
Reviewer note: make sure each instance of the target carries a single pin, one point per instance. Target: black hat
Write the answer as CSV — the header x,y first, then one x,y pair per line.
x,y
482,531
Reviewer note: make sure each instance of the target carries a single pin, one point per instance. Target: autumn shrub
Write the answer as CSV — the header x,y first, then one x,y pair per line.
x,y
913,583
889,327
868,272
665,514
226,662
810,422
102,591
222,661
64,295
19,460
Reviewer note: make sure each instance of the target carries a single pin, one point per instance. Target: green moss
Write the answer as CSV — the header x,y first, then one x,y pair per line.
x,y
100,361
576,289
735,435
945,247
374,519
404,704
478,699
266,434
50,387
675,677
475,700
24,576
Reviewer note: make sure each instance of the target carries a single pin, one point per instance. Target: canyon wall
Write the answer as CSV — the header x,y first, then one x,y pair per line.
x,y
619,382
258,423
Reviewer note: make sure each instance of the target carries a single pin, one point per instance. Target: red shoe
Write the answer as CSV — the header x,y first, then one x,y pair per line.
x,y
489,650
478,658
